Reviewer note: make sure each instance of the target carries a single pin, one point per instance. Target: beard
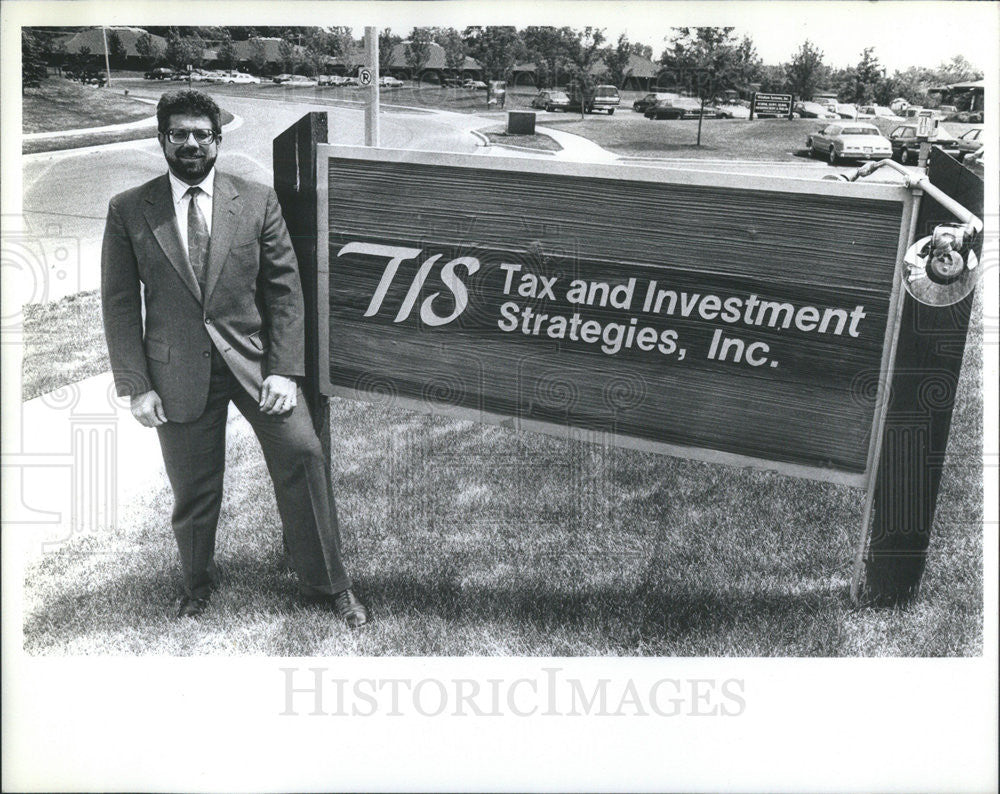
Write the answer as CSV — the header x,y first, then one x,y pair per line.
x,y
191,165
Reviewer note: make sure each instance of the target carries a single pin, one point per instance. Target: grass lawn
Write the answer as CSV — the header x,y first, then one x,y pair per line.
x,y
63,343
539,141
60,104
476,540
467,539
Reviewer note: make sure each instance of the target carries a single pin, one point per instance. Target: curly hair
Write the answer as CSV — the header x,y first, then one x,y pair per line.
x,y
189,102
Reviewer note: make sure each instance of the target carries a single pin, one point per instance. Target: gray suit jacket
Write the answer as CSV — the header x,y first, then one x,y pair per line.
x,y
160,328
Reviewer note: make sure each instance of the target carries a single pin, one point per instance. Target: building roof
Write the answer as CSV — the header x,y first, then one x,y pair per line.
x,y
93,40
272,49
435,59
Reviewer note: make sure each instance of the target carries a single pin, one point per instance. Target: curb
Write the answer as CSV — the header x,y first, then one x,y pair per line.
x,y
235,124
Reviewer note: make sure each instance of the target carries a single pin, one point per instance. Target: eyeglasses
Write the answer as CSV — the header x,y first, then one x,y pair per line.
x,y
203,137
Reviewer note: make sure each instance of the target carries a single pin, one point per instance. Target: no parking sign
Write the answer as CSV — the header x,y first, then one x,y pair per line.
x,y
365,77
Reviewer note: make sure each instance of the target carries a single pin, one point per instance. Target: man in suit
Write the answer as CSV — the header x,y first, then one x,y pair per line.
x,y
202,306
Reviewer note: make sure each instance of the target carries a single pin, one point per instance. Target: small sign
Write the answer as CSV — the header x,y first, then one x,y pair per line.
x,y
771,104
365,77
926,124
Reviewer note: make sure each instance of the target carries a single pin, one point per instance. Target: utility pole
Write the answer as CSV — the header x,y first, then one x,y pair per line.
x,y
372,103
107,62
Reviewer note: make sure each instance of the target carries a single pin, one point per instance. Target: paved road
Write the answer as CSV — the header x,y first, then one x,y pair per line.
x,y
66,193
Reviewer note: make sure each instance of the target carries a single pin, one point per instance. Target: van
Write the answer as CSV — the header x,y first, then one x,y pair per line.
x,y
607,98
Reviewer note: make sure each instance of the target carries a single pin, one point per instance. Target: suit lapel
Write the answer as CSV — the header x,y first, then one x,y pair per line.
x,y
226,206
159,212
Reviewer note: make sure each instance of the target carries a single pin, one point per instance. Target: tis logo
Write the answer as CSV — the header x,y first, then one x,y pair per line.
x,y
397,254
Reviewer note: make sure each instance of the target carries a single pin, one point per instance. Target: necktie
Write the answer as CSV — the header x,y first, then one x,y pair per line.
x,y
198,238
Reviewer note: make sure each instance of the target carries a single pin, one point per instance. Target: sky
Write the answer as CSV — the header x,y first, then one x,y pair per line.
x,y
903,32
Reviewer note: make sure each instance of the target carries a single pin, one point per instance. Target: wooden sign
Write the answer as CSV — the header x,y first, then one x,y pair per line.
x,y
740,319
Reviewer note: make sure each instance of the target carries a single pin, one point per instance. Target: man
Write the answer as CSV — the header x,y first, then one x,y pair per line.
x,y
219,318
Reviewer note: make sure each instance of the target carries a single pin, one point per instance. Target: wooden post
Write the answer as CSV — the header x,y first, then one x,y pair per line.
x,y
294,153
926,369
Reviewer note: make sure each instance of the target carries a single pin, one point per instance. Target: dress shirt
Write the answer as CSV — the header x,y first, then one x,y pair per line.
x,y
179,190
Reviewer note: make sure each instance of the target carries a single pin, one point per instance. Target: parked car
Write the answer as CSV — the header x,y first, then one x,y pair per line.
x,y
812,110
300,81
281,78
946,112
643,104
160,73
692,108
324,79
875,112
906,147
474,85
390,82
969,142
606,98
241,78
858,141
550,101
664,109
351,81
451,82
846,111
898,105
732,111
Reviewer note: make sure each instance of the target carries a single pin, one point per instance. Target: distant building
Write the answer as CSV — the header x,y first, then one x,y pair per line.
x,y
93,40
434,69
966,96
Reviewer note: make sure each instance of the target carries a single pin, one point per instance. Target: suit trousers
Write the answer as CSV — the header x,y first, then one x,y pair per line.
x,y
195,457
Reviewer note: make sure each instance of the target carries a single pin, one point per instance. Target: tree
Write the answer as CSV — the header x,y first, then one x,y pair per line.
x,y
317,44
616,59
861,83
83,62
418,50
227,52
708,61
642,50
498,48
258,55
178,52
117,52
550,49
450,40
341,44
957,70
387,41
585,53
806,71
33,69
196,51
288,55
149,51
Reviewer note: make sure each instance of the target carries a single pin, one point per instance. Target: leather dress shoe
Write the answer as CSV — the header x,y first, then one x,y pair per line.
x,y
350,609
192,607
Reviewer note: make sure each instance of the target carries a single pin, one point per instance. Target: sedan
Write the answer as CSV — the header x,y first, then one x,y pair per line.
x,y
550,101
390,82
298,81
281,78
475,85
692,108
241,78
664,109
906,146
969,142
858,141
813,110
643,104
161,73
732,111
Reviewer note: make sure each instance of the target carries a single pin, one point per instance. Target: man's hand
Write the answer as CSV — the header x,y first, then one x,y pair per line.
x,y
277,396
147,408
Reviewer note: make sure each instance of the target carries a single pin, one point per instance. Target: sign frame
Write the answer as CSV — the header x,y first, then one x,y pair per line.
x,y
629,172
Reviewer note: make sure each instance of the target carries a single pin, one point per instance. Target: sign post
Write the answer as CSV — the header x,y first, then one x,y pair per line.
x,y
368,77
